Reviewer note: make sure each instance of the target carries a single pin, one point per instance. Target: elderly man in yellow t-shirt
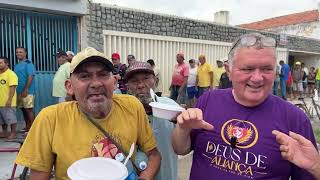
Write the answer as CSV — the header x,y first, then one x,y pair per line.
x,y
204,76
8,100
98,123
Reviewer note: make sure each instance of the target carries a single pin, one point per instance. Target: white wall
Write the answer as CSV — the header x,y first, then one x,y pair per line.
x,y
71,7
311,30
163,50
282,54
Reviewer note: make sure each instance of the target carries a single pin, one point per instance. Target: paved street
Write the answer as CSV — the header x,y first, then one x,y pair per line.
x,y
184,164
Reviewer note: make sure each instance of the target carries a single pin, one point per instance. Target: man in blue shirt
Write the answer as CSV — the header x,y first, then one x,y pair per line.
x,y
285,69
25,71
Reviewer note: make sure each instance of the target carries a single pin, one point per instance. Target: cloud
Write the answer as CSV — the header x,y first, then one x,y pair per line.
x,y
241,11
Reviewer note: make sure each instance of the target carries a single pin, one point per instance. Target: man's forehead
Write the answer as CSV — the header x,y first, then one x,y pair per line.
x,y
89,66
20,50
255,51
140,75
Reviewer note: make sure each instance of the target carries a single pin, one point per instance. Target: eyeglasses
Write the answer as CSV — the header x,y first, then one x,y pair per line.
x,y
251,40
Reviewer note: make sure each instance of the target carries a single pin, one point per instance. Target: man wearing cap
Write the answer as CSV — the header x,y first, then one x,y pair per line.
x,y
204,75
131,59
25,71
98,123
140,79
70,55
217,72
63,73
119,71
179,80
297,76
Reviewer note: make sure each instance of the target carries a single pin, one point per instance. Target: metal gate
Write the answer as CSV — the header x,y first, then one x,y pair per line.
x,y
42,35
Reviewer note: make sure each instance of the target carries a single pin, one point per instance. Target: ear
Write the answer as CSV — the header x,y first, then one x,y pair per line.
x,y
68,86
115,82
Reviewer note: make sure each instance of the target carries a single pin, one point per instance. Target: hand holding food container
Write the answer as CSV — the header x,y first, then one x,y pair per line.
x,y
162,110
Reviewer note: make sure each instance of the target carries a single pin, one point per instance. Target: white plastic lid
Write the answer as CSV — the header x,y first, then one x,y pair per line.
x,y
166,106
97,168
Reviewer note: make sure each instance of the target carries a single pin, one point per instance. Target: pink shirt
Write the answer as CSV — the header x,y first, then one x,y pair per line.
x,y
180,71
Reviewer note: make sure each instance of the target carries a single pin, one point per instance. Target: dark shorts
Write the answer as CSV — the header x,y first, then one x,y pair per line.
x,y
304,85
192,92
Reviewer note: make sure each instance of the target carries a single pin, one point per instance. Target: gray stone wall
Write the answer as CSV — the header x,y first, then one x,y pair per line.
x,y
118,19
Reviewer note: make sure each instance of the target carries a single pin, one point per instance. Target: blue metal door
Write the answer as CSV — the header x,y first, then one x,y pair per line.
x,y
42,35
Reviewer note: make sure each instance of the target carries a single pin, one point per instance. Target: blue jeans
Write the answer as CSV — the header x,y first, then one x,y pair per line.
x,y
174,91
174,94
283,87
275,88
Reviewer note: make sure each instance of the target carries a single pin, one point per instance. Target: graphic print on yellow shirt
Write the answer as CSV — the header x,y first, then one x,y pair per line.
x,y
105,148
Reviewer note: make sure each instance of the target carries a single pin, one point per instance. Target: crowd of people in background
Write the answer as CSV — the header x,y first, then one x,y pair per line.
x,y
189,79
297,81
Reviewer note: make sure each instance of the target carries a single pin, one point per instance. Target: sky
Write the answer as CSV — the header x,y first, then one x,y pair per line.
x,y
241,11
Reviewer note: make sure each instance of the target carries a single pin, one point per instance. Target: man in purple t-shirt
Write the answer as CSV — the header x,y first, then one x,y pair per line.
x,y
242,145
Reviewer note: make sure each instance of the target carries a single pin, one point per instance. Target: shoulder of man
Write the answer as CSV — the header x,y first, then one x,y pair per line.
x,y
28,61
126,100
12,73
57,111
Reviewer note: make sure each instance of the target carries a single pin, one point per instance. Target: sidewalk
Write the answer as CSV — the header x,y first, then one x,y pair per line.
x,y
7,159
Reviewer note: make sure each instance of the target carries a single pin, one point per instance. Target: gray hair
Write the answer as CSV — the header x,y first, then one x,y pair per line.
x,y
237,45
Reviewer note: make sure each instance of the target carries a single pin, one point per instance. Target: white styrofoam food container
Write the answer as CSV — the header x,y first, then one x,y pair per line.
x,y
165,111
97,168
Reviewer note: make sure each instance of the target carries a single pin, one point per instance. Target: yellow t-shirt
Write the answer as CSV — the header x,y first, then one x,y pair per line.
x,y
7,79
61,133
217,74
204,75
318,74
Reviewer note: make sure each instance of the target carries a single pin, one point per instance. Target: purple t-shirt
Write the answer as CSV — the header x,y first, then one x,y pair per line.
x,y
257,154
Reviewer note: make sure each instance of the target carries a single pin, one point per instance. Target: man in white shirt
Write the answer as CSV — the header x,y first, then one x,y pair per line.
x,y
192,83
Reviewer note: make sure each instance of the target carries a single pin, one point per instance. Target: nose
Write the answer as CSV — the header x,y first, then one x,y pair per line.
x,y
95,82
256,76
141,84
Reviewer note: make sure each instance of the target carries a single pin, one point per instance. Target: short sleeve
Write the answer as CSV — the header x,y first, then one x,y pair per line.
x,y
210,68
146,139
185,71
36,152
67,71
13,79
31,70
